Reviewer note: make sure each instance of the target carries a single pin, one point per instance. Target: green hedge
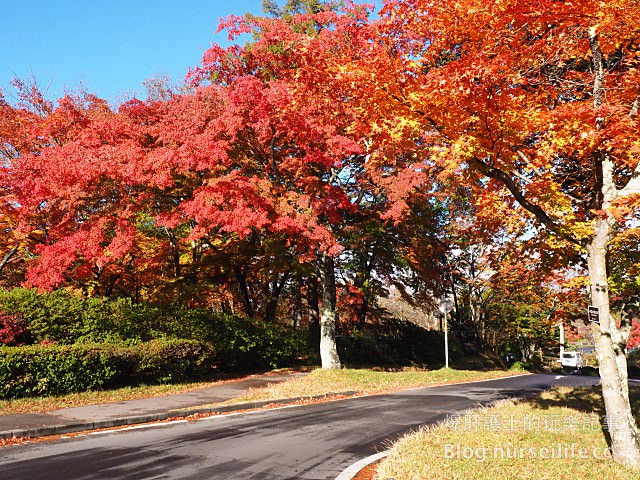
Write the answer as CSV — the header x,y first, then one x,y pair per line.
x,y
60,369
241,344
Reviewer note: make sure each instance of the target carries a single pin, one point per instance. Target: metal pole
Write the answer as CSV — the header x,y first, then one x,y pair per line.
x,y
446,306
446,342
561,326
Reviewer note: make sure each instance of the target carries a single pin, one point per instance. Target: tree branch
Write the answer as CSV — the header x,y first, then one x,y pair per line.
x,y
532,208
7,258
528,162
522,177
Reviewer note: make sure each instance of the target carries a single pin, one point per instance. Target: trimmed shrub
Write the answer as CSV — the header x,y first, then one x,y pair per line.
x,y
60,369
67,318
53,370
54,316
167,361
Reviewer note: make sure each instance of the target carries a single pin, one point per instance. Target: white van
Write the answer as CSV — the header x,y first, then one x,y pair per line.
x,y
572,360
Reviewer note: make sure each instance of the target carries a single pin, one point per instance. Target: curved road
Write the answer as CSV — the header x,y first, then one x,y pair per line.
x,y
306,442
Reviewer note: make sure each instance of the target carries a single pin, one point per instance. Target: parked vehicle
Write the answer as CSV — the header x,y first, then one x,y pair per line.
x,y
572,361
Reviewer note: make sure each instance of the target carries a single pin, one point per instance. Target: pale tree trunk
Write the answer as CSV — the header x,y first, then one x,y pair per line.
x,y
610,341
621,425
328,348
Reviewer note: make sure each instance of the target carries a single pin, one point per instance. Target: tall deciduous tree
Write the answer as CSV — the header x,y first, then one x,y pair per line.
x,y
312,154
534,107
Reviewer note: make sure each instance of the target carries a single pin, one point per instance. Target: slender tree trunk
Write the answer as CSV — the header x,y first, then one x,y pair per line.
x,y
270,309
314,310
328,348
276,291
363,278
175,253
296,317
456,308
110,285
364,310
244,291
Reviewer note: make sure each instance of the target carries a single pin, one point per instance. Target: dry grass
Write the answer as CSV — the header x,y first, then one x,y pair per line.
x,y
508,441
325,382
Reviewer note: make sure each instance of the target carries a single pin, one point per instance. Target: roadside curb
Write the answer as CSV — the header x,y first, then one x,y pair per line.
x,y
72,427
353,470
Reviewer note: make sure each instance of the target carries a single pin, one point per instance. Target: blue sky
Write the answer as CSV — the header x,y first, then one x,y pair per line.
x,y
110,46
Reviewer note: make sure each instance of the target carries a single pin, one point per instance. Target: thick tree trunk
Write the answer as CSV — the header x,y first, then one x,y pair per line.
x,y
620,423
328,348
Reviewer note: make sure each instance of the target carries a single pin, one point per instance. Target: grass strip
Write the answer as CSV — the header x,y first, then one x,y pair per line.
x,y
558,434
325,382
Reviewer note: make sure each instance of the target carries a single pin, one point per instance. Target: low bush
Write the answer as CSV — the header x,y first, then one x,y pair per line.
x,y
59,369
13,330
244,344
395,342
170,361
519,366
62,317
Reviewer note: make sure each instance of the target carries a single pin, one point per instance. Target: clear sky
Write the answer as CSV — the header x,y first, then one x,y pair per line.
x,y
110,46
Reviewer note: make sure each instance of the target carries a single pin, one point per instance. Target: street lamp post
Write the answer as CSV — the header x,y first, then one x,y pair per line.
x,y
445,306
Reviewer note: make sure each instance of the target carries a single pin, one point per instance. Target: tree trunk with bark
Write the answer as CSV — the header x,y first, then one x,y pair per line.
x,y
609,339
7,258
610,349
296,315
328,348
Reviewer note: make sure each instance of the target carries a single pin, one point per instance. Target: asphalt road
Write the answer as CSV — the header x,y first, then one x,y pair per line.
x,y
308,442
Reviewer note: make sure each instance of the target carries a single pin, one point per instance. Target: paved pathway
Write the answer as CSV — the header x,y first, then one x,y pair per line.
x,y
131,411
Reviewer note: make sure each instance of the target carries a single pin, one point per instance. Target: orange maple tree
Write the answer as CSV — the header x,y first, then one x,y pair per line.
x,y
534,106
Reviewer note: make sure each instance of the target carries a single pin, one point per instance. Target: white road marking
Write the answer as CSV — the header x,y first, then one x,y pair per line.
x,y
138,427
